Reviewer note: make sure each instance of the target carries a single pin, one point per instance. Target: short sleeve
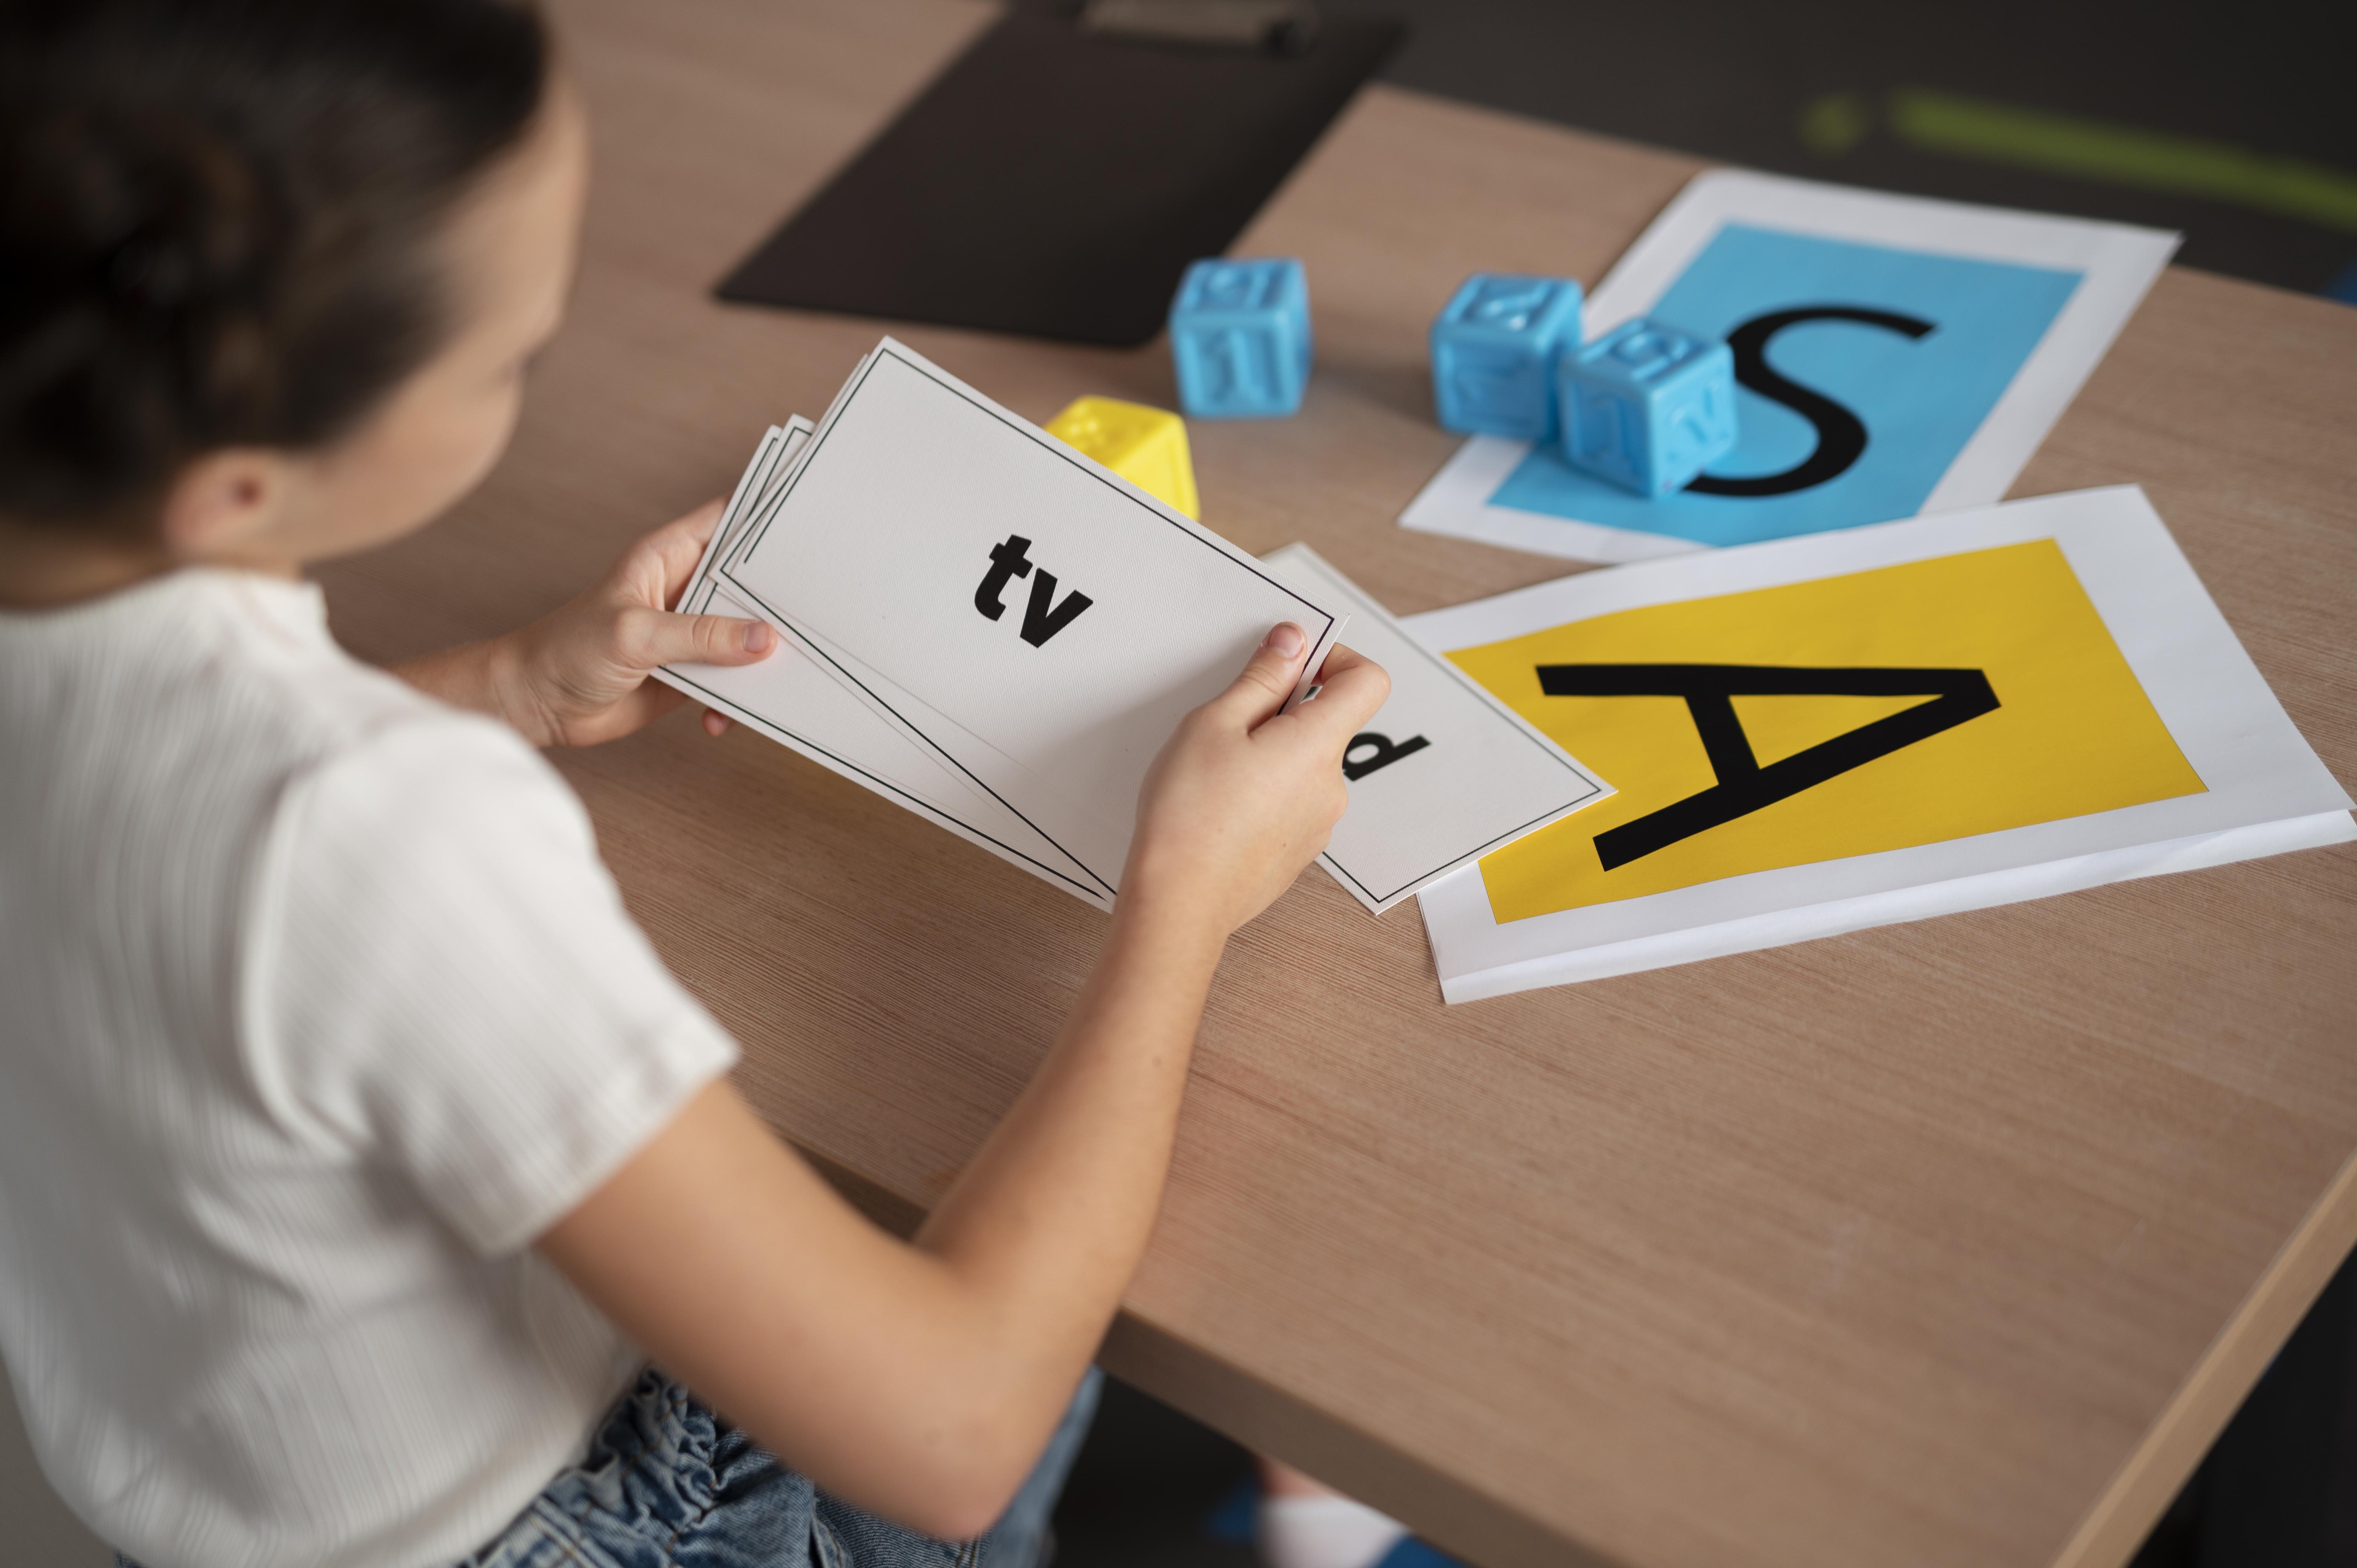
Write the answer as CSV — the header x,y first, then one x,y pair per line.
x,y
441,973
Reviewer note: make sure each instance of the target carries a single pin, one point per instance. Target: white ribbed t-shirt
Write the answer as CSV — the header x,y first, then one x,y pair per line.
x,y
317,1006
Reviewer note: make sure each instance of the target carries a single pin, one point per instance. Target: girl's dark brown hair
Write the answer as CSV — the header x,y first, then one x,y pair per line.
x,y
216,222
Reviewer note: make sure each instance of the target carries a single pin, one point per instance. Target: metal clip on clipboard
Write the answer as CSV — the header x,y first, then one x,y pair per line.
x,y
1272,27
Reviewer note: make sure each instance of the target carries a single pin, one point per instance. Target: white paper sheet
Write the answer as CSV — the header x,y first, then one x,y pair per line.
x,y
2260,789
900,524
1446,772
1948,417
1456,904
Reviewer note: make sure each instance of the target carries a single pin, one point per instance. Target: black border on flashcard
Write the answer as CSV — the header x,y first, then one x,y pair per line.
x,y
760,529
696,598
745,494
1546,749
815,651
884,786
760,526
790,444
1469,854
712,590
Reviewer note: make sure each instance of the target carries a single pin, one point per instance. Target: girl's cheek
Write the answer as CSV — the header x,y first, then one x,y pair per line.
x,y
472,445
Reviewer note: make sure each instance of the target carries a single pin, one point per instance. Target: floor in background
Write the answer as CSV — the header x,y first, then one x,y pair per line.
x,y
2232,123
2279,1489
1143,1491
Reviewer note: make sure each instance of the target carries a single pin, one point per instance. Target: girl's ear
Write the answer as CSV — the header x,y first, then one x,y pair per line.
x,y
223,505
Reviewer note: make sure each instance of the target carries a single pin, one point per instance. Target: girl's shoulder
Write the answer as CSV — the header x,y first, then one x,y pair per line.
x,y
260,649
185,717
198,671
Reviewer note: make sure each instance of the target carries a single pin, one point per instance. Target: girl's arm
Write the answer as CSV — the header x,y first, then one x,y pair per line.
x,y
921,1379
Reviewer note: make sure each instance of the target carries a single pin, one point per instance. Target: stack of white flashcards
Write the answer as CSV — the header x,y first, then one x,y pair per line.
x,y
797,701
978,621
1445,773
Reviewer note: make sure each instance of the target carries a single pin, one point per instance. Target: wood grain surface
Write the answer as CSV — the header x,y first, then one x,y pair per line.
x,y
1952,1244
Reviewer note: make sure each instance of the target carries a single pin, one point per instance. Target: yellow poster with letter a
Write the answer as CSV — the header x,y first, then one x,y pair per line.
x,y
1880,710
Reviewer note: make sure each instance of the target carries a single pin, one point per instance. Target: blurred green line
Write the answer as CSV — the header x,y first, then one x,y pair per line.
x,y
2062,144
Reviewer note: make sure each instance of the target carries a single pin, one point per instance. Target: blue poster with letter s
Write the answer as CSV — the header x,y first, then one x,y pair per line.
x,y
1862,372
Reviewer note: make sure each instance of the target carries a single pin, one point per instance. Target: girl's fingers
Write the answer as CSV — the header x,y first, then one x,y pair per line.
x,y
694,528
1267,680
664,638
1351,688
716,724
679,544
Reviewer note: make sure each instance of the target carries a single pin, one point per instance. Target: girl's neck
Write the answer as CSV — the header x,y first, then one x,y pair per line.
x,y
47,569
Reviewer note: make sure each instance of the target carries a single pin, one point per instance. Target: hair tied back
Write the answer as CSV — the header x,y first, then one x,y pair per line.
x,y
216,217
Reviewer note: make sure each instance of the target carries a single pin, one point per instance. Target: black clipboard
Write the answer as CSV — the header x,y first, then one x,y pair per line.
x,y
1055,183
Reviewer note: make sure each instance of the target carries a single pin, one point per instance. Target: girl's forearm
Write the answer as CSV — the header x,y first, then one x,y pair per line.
x,y
1049,1219
920,1381
480,677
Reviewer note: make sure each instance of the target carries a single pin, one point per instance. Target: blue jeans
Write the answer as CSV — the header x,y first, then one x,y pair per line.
x,y
667,1484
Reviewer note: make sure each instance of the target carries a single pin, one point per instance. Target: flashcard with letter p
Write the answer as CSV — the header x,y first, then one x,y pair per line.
x,y
1444,773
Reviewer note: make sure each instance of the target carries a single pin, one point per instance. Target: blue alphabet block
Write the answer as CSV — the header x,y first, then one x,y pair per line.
x,y
1240,338
1493,351
1647,405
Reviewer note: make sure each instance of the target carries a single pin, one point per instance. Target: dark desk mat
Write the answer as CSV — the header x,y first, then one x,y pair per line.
x,y
1056,184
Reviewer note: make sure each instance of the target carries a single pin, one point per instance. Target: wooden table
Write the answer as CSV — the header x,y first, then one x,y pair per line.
x,y
1951,1243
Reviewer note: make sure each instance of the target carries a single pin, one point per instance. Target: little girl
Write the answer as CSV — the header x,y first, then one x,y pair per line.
x,y
356,1152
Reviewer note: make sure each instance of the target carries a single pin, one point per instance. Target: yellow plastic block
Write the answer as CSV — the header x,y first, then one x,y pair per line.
x,y
1147,446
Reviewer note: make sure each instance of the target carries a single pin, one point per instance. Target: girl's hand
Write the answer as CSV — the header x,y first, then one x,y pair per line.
x,y
580,672
578,675
1244,797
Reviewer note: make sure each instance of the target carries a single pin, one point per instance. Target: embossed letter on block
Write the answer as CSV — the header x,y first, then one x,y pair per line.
x,y
1493,353
1240,338
1647,405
